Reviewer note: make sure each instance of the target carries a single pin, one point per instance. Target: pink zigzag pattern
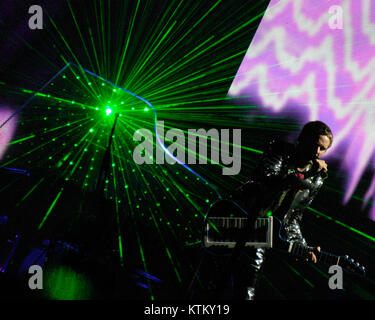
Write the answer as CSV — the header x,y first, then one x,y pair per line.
x,y
296,56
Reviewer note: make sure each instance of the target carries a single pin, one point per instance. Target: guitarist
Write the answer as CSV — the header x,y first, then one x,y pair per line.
x,y
285,182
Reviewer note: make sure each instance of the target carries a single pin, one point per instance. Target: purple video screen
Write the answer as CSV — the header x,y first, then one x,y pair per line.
x,y
320,57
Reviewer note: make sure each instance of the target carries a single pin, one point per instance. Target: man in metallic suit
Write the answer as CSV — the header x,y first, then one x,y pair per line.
x,y
285,182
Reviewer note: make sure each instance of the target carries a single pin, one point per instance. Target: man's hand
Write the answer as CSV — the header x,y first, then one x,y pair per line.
x,y
311,255
320,165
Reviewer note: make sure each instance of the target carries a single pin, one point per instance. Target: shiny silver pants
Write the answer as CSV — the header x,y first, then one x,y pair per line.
x,y
246,273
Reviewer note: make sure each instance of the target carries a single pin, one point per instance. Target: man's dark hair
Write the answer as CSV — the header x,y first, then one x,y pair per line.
x,y
314,129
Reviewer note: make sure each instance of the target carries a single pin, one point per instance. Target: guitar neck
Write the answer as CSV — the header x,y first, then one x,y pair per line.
x,y
322,257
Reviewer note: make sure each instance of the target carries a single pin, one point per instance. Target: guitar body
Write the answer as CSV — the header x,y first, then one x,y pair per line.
x,y
228,226
225,230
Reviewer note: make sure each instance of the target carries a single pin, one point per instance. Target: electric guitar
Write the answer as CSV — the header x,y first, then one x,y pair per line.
x,y
226,222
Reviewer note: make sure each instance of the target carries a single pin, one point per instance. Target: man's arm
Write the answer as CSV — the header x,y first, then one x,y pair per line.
x,y
291,223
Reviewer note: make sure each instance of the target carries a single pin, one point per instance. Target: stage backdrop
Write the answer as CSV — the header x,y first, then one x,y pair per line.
x,y
315,59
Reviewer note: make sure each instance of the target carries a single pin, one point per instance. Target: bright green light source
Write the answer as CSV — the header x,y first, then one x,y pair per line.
x,y
64,283
146,109
108,111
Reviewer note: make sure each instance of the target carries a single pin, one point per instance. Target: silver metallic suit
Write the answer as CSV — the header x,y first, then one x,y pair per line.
x,y
278,187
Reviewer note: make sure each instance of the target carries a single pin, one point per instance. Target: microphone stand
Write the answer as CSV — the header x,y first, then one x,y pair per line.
x,y
106,161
